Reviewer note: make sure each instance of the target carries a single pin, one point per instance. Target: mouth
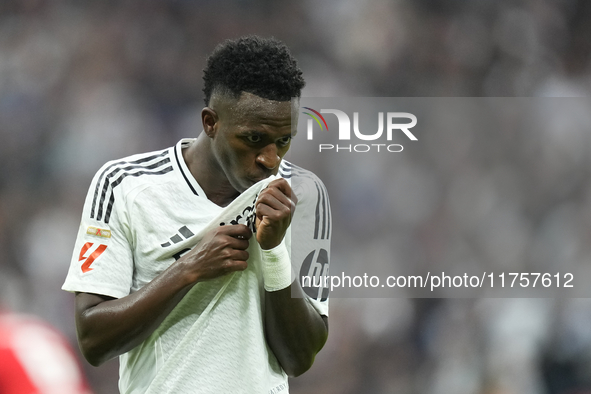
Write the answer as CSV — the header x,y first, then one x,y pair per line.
x,y
252,181
259,177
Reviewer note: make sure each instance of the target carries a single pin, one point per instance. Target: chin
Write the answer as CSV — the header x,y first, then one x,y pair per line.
x,y
246,183
242,185
257,180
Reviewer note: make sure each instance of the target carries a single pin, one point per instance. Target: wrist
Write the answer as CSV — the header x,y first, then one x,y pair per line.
x,y
184,273
276,267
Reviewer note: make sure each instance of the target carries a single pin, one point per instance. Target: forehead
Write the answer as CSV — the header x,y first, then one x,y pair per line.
x,y
250,108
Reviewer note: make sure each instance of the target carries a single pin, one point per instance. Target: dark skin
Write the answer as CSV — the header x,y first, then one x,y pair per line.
x,y
243,142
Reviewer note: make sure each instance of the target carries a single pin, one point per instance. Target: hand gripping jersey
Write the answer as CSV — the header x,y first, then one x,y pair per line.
x,y
141,214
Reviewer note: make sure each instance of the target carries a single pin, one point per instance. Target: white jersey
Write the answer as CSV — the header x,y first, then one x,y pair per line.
x,y
141,214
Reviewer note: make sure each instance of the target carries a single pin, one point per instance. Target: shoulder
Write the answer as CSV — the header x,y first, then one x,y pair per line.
x,y
138,168
134,166
298,175
117,178
312,212
304,182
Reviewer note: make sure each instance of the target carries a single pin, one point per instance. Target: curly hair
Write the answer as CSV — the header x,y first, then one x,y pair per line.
x,y
261,66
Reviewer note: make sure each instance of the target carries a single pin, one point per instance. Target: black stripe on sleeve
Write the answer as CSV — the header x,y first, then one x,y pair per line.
x,y
285,170
329,221
139,161
109,207
284,175
328,213
120,179
323,211
324,214
322,226
317,222
300,173
114,172
136,174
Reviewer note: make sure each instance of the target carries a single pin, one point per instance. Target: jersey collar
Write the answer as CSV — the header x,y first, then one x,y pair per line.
x,y
184,170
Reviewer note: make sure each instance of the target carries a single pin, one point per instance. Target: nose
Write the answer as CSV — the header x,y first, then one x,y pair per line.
x,y
268,157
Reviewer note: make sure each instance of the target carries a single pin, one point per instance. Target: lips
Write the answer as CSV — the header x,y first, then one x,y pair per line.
x,y
258,178
255,180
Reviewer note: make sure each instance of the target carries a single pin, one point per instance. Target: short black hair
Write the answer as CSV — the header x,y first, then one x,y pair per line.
x,y
261,66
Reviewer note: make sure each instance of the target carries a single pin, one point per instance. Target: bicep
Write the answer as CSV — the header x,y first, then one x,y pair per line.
x,y
85,301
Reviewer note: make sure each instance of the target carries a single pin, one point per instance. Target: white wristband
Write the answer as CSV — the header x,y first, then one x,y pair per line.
x,y
276,266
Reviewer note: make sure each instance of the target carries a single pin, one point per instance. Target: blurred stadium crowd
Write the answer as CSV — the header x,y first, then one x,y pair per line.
x,y
86,82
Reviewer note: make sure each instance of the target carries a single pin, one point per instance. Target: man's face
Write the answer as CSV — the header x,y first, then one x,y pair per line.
x,y
250,137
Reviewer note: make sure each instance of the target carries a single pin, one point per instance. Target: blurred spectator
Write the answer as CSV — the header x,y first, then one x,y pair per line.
x,y
85,82
36,359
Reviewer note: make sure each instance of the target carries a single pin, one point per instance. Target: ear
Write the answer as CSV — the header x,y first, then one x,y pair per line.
x,y
209,119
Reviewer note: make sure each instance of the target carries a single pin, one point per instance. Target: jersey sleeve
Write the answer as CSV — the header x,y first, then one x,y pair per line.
x,y
311,229
102,260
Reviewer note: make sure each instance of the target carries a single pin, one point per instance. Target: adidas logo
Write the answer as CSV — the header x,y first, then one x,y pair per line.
x,y
182,234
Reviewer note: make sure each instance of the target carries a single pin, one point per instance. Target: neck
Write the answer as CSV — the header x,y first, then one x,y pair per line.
x,y
208,173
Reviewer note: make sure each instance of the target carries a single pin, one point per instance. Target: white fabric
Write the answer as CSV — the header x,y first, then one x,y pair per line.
x,y
213,341
276,266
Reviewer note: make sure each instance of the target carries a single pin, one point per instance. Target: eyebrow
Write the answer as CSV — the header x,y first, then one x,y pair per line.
x,y
262,133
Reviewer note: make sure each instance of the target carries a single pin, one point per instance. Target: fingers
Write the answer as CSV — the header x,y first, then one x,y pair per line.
x,y
276,199
273,213
283,186
229,254
236,261
273,201
235,243
237,265
238,231
240,255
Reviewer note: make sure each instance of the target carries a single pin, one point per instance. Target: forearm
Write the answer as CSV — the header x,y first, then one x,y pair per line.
x,y
109,327
295,330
